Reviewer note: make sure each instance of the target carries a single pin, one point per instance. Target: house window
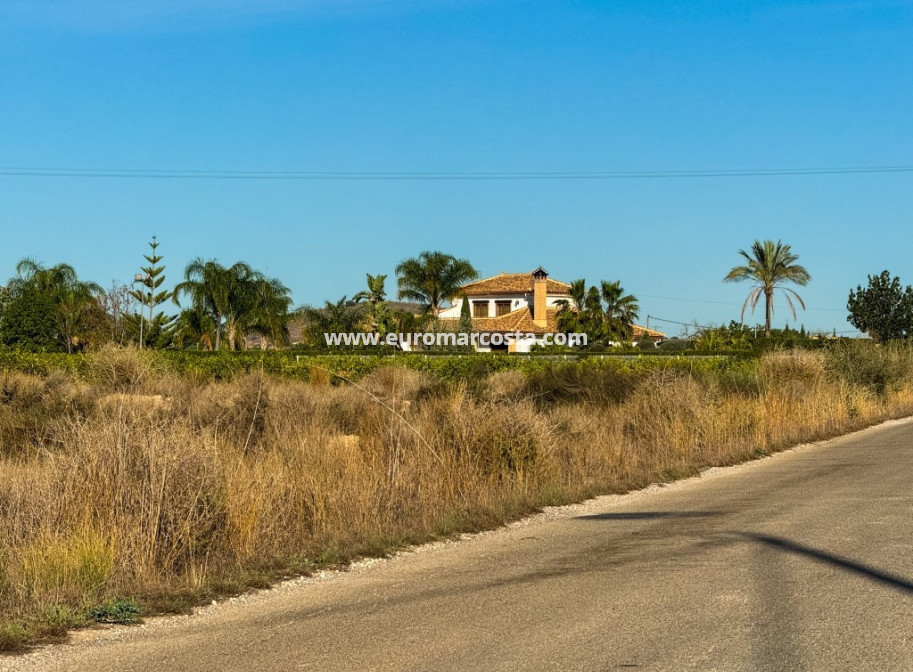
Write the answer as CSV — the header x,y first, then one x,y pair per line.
x,y
502,308
480,308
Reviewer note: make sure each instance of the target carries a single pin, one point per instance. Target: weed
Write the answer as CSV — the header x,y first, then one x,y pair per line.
x,y
117,610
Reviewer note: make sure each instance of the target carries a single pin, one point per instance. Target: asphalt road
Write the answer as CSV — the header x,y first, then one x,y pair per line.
x,y
802,561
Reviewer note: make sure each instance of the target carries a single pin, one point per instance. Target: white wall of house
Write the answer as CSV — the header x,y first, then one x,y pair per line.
x,y
517,301
523,345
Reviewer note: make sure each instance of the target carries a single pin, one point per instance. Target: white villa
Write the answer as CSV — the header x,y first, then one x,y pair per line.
x,y
518,302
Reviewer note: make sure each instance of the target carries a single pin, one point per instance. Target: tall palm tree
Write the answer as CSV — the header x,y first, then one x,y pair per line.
x,y
432,278
208,285
582,312
619,309
55,280
217,291
769,265
376,293
268,314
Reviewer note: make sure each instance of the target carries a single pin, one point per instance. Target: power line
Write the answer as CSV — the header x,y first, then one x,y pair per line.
x,y
722,303
132,173
685,324
716,326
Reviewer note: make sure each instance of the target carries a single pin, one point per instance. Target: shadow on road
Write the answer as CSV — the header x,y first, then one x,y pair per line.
x,y
648,515
886,578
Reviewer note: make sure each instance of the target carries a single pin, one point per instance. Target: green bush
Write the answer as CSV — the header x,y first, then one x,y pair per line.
x,y
13,637
42,363
118,610
28,323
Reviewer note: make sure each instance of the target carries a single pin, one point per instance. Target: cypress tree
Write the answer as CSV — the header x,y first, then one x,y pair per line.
x,y
465,317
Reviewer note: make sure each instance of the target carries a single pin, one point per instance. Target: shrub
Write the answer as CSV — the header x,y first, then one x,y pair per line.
x,y
13,637
32,407
119,369
880,368
119,610
576,383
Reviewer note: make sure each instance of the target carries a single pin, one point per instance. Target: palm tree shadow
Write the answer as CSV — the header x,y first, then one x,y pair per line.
x,y
872,573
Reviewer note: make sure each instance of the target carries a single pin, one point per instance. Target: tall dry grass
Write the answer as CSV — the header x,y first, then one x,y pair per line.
x,y
172,489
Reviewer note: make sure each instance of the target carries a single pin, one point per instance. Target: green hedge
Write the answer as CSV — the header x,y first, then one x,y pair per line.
x,y
43,363
226,365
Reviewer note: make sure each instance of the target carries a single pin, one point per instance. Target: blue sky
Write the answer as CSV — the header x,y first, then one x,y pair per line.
x,y
464,86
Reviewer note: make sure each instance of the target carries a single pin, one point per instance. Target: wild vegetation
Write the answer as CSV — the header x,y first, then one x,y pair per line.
x,y
127,486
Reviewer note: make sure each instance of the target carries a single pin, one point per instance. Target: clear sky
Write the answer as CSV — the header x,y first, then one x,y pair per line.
x,y
464,86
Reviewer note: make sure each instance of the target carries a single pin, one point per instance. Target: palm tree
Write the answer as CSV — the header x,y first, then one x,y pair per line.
x,y
769,265
268,314
432,278
375,293
571,312
71,297
376,296
238,300
620,310
208,284
602,313
55,281
341,317
195,326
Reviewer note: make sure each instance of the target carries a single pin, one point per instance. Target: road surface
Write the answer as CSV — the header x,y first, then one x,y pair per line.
x,y
802,561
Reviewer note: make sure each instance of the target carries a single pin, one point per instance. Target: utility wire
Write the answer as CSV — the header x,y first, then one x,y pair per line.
x,y
131,173
716,326
721,303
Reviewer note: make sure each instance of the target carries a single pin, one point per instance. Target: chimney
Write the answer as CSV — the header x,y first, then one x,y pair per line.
x,y
540,283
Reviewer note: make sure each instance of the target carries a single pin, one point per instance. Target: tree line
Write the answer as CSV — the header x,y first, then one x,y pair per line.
x,y
223,307
49,308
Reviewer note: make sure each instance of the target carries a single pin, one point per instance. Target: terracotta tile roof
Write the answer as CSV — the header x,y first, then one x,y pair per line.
x,y
512,283
640,332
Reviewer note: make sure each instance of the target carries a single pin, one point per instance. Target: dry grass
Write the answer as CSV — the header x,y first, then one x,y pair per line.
x,y
171,489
